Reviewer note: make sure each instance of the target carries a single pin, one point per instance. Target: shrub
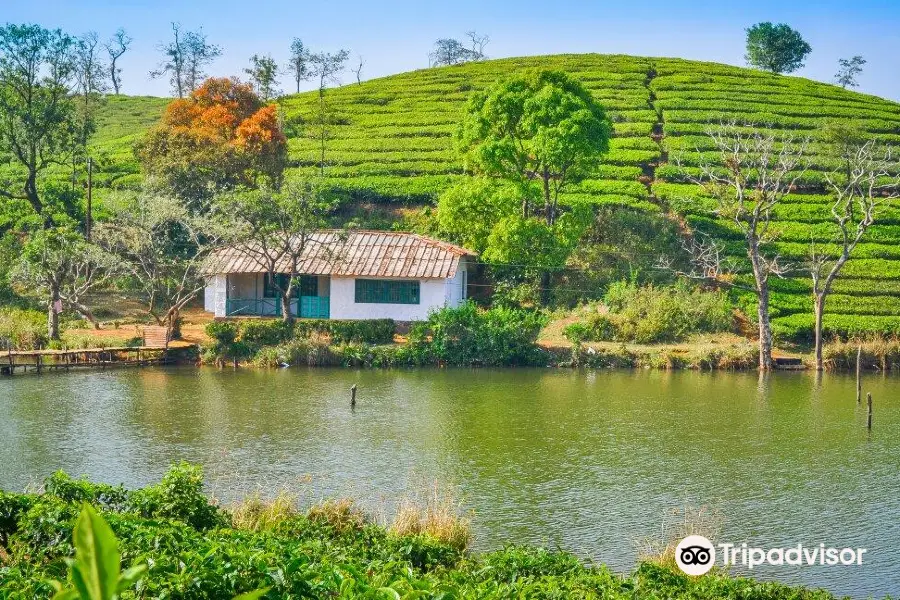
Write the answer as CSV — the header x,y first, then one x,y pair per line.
x,y
341,515
23,329
368,331
178,496
257,333
466,335
257,514
653,314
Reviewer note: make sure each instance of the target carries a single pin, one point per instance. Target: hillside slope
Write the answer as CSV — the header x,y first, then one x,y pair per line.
x,y
390,140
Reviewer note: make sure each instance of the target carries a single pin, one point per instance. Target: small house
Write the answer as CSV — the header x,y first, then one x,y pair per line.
x,y
345,275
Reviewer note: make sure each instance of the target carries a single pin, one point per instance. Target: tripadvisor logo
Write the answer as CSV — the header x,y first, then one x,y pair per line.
x,y
696,555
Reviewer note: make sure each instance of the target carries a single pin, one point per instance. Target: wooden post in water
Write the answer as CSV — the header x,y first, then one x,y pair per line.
x,y
353,396
869,416
859,374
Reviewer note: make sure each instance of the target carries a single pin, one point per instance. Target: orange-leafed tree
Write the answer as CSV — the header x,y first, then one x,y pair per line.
x,y
221,136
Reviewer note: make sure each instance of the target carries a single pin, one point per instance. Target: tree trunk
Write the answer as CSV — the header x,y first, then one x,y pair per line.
x,y
819,310
545,288
762,303
85,312
52,315
286,313
31,193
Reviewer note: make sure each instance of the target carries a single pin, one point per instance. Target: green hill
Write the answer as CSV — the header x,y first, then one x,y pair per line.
x,y
391,142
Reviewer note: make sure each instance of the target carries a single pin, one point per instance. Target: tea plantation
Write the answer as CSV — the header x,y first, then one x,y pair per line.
x,y
390,140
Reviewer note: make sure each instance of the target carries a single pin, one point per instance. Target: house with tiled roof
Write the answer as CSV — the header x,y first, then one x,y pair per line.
x,y
345,275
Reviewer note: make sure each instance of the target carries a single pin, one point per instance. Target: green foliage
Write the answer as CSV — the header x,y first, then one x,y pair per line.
x,y
367,331
468,335
328,553
23,329
468,211
654,314
525,247
776,48
543,126
178,496
95,570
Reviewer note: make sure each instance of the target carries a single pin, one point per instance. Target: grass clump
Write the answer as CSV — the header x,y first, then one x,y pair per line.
x,y
342,514
255,513
436,514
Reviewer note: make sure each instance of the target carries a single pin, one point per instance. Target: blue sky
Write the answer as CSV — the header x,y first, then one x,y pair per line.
x,y
396,36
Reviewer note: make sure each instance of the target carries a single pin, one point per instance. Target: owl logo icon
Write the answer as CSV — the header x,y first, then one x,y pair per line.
x,y
695,555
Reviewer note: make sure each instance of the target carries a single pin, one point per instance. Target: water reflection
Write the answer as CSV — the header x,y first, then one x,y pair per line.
x,y
570,458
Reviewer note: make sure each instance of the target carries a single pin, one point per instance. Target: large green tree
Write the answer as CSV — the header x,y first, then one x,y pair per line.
x,y
542,128
775,48
37,112
539,131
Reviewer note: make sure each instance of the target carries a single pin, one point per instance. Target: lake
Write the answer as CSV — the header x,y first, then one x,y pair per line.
x,y
593,462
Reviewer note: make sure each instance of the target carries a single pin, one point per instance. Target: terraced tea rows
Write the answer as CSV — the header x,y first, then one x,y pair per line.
x,y
391,140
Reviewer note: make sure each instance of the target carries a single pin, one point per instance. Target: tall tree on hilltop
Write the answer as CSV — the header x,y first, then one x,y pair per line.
x,y
298,65
848,70
326,66
221,136
775,48
90,83
116,47
37,113
263,74
186,58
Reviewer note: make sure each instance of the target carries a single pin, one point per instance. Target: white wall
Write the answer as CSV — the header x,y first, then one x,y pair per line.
x,y
432,294
455,287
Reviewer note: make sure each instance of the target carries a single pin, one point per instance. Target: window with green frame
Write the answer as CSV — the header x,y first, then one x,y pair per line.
x,y
380,291
309,286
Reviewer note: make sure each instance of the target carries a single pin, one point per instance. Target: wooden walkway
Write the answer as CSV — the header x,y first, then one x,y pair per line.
x,y
155,350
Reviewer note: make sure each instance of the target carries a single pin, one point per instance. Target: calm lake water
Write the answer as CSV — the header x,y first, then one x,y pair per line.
x,y
592,462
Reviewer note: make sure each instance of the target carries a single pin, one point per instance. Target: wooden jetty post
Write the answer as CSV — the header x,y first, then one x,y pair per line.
x,y
859,374
353,396
869,415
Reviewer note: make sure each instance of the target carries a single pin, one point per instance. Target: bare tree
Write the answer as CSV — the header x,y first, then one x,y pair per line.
x,y
325,67
116,47
274,230
358,69
869,179
199,55
478,43
754,172
90,82
298,66
186,58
